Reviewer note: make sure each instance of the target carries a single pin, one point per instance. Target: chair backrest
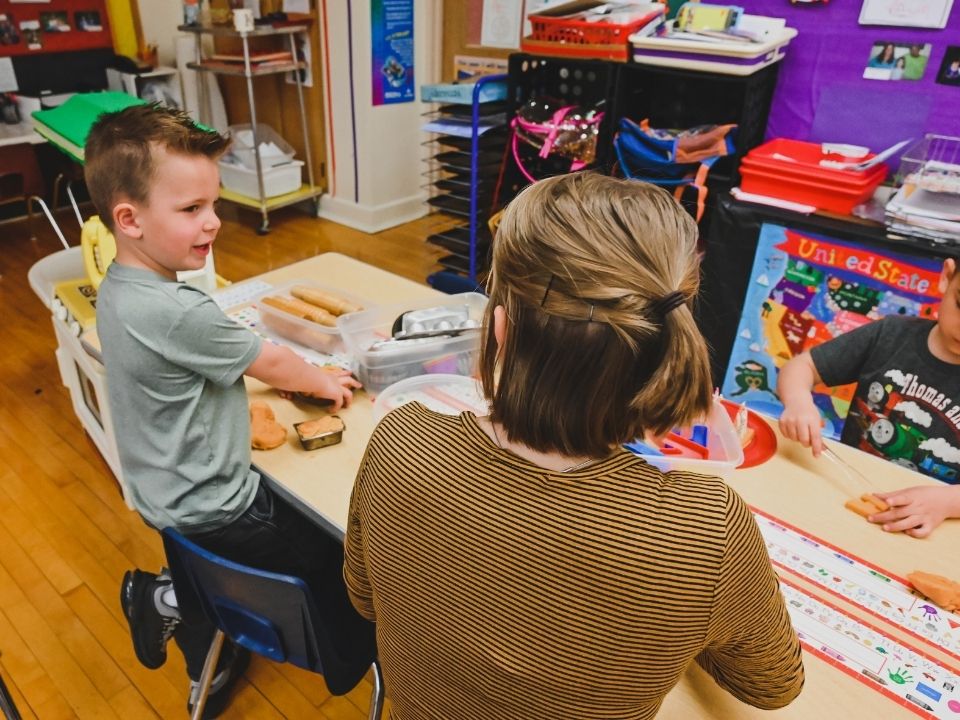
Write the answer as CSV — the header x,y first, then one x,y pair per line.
x,y
268,613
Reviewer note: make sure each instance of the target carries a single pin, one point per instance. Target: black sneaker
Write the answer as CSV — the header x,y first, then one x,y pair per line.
x,y
222,685
151,621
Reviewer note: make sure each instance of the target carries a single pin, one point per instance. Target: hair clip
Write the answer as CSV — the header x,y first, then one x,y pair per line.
x,y
547,291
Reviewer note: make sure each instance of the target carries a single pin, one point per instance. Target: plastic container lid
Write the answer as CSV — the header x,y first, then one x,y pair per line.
x,y
442,393
274,150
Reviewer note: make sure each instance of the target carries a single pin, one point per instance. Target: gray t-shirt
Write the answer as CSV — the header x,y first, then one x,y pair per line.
x,y
907,403
175,367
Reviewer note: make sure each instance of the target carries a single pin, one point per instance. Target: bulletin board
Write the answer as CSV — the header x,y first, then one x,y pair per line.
x,y
822,95
53,18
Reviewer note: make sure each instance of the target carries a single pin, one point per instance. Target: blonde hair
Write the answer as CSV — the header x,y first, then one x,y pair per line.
x,y
596,275
119,161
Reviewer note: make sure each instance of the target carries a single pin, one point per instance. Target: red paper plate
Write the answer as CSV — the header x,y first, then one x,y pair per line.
x,y
763,446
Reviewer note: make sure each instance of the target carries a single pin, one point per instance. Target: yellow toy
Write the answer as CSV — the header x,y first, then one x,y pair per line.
x,y
99,249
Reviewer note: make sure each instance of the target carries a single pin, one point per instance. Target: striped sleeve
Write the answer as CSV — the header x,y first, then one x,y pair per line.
x,y
354,562
752,650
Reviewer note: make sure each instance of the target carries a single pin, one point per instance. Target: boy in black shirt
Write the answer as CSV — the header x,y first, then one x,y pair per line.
x,y
906,407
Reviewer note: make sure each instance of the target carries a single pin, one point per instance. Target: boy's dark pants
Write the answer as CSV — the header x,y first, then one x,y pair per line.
x,y
272,535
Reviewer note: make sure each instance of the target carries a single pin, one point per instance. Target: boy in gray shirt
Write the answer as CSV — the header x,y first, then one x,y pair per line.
x,y
175,365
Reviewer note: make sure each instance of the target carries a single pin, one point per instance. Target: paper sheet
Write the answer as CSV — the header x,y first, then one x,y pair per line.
x,y
8,78
500,27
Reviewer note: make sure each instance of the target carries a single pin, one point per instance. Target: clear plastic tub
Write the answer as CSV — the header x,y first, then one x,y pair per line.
x,y
378,369
313,335
442,393
274,150
724,452
277,180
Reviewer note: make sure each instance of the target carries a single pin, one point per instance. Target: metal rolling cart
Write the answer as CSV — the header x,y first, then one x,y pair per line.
x,y
249,70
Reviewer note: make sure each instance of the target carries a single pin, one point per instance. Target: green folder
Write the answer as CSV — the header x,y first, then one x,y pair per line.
x,y
67,126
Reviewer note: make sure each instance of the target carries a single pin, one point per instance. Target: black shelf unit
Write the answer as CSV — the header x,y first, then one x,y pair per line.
x,y
462,173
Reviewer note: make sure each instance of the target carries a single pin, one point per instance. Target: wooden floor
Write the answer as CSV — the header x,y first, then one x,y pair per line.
x,y
66,536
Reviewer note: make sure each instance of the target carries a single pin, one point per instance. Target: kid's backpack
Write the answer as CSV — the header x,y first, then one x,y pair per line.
x,y
672,159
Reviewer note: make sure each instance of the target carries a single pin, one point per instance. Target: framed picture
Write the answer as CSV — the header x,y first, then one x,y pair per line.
x,y
88,21
897,61
950,67
906,13
54,22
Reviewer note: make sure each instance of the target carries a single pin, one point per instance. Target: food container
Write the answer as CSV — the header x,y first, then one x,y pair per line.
x,y
442,393
312,439
724,452
323,338
379,367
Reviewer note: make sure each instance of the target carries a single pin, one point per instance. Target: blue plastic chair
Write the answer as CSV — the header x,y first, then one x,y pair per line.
x,y
268,613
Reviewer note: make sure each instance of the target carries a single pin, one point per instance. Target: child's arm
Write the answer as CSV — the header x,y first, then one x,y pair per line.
x,y
918,510
800,420
283,369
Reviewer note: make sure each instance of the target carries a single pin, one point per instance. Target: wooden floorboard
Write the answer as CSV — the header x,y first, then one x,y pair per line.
x,y
66,536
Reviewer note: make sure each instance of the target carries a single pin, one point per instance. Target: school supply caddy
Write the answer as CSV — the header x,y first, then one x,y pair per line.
x,y
673,159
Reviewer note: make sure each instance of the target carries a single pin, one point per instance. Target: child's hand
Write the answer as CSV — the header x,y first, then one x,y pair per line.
x,y
801,421
918,510
334,385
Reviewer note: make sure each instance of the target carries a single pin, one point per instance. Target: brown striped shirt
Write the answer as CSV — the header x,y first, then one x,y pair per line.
x,y
504,590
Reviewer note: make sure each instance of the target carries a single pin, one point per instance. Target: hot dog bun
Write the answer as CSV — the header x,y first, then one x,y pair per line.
x,y
329,302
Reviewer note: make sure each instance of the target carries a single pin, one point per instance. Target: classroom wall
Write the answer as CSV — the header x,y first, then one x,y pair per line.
x,y
821,94
374,152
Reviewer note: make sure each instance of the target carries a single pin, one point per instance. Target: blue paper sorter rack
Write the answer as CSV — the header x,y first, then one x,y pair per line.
x,y
466,150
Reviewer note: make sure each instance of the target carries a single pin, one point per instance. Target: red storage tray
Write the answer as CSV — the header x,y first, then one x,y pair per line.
x,y
810,191
806,164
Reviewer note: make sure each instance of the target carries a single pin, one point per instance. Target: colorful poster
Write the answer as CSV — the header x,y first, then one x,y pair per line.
x,y
392,35
806,289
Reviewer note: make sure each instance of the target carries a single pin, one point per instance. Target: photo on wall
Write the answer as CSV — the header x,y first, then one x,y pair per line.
x,y
897,61
31,34
55,22
88,21
8,30
950,67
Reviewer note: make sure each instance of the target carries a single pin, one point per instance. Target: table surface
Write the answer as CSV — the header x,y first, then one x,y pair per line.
x,y
792,486
20,133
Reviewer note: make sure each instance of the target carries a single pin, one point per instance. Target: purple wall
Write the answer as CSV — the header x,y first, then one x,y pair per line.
x,y
821,95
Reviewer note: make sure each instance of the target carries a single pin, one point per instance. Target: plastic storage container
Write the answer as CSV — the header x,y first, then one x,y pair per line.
x,y
442,393
552,34
277,180
274,150
378,369
305,332
724,452
732,58
791,170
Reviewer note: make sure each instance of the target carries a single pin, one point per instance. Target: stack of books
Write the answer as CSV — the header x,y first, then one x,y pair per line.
x,y
67,126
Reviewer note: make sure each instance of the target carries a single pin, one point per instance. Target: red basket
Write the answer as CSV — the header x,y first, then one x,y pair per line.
x,y
580,32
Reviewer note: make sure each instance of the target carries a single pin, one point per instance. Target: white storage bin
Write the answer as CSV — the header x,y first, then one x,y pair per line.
x,y
274,150
278,180
305,332
378,369
728,58
724,452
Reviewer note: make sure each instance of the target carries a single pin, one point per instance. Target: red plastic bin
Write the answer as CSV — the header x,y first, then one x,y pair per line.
x,y
838,198
580,32
806,157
